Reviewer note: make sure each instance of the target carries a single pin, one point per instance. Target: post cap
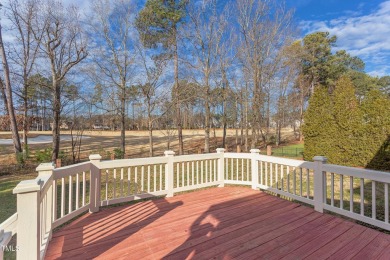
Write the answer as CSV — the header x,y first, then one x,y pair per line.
x,y
28,186
45,167
320,159
220,150
169,153
255,150
94,157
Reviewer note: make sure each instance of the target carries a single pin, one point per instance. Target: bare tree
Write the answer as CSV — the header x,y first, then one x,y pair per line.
x,y
263,28
153,69
206,31
114,57
226,58
76,133
288,73
23,15
9,98
159,25
65,46
303,85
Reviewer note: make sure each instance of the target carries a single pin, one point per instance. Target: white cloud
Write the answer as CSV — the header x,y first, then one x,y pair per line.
x,y
366,36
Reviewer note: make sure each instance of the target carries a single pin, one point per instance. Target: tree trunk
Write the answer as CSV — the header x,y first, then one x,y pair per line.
x,y
242,120
43,115
3,96
150,141
150,128
255,111
246,122
73,144
123,119
207,120
268,114
25,120
56,119
8,91
301,118
277,141
177,98
224,107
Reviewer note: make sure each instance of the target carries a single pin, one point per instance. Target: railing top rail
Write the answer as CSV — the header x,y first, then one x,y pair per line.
x,y
196,157
358,172
238,155
285,161
131,162
7,230
9,225
71,169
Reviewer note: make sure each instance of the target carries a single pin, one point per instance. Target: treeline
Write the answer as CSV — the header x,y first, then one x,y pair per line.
x,y
167,65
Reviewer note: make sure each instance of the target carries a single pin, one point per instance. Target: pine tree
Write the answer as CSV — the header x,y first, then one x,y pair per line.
x,y
346,132
376,136
157,24
318,124
347,118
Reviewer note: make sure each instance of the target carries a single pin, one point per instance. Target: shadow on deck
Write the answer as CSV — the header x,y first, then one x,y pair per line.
x,y
230,222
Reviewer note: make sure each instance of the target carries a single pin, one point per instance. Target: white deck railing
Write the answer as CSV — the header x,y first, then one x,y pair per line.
x,y
59,195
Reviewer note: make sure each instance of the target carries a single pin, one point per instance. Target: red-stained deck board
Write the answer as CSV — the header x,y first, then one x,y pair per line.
x,y
259,239
275,239
374,248
327,245
230,222
172,229
327,249
355,245
384,255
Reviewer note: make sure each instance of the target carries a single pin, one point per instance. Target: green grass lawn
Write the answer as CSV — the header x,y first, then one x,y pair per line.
x,y
7,199
291,151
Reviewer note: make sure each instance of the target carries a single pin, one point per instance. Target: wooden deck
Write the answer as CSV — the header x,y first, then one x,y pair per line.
x,y
221,223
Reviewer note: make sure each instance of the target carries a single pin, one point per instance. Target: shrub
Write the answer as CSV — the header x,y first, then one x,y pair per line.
x,y
43,156
348,132
119,154
20,159
317,128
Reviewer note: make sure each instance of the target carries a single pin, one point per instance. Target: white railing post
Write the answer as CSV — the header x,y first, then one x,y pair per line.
x,y
221,167
169,169
28,226
46,169
255,168
94,192
319,183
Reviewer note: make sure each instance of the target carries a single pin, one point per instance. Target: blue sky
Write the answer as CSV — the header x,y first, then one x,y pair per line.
x,y
362,27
